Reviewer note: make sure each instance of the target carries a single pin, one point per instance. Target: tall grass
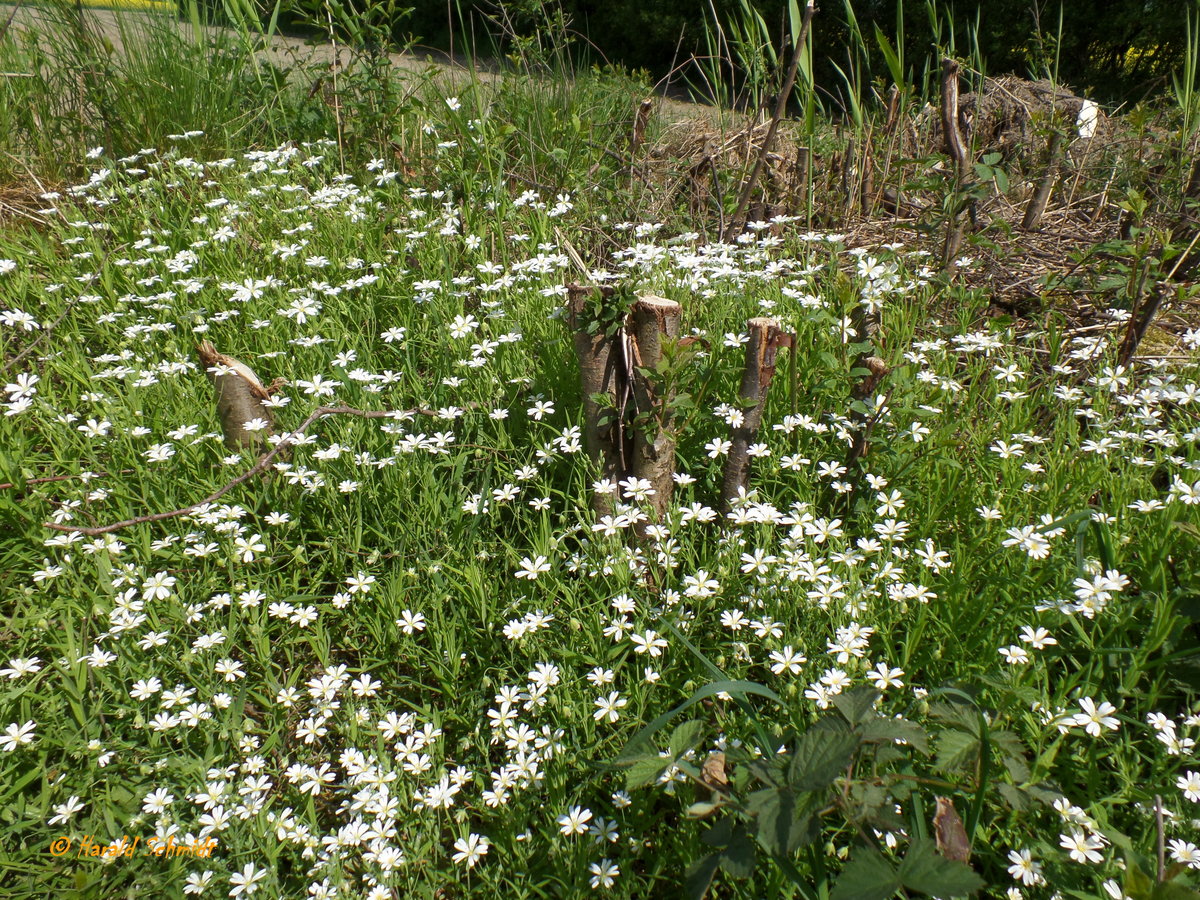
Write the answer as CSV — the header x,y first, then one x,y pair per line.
x,y
70,88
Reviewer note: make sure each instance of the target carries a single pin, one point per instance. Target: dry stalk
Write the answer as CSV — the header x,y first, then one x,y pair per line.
x,y
739,217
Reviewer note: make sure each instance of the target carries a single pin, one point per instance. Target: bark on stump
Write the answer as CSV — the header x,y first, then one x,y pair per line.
x,y
766,338
239,399
598,375
654,320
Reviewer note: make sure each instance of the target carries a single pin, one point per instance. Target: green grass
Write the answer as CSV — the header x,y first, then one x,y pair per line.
x,y
412,630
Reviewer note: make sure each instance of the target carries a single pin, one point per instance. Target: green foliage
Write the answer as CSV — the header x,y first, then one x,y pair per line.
x,y
846,769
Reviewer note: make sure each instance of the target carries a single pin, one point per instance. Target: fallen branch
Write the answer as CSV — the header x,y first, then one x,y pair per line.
x,y
257,469
88,476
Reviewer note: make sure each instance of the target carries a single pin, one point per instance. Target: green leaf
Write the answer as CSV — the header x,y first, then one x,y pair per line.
x,y
963,716
868,877
956,750
720,834
1138,884
890,57
645,771
882,729
738,858
927,871
857,705
685,737
734,688
820,757
1170,890
785,821
700,875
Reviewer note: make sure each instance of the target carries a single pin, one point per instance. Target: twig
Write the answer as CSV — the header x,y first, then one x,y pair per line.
x,y
739,217
45,332
9,485
1037,204
256,469
1160,832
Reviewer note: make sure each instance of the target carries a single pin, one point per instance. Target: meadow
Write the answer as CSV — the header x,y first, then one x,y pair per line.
x,y
407,641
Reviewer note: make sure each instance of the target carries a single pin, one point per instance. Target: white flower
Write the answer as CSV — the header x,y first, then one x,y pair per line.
x,y
65,811
608,707
1094,718
471,849
1083,848
575,821
246,881
603,873
1189,783
787,660
532,568
15,735
1024,868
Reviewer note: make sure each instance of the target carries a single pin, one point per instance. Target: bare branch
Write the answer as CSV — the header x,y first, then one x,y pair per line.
x,y
257,469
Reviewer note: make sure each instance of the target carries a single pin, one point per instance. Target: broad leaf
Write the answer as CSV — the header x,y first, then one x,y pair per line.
x,y
868,877
857,705
785,821
738,858
700,875
927,871
820,757
645,771
957,750
881,728
685,736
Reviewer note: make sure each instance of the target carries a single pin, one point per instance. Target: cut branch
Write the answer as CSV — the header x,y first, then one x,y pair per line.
x,y
956,147
257,469
240,397
765,340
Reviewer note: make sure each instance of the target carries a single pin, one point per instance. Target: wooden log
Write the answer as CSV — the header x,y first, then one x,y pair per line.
x,y
765,340
654,320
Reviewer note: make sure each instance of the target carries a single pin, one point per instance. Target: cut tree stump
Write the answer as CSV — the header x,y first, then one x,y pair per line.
x,y
239,399
600,374
766,338
654,319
